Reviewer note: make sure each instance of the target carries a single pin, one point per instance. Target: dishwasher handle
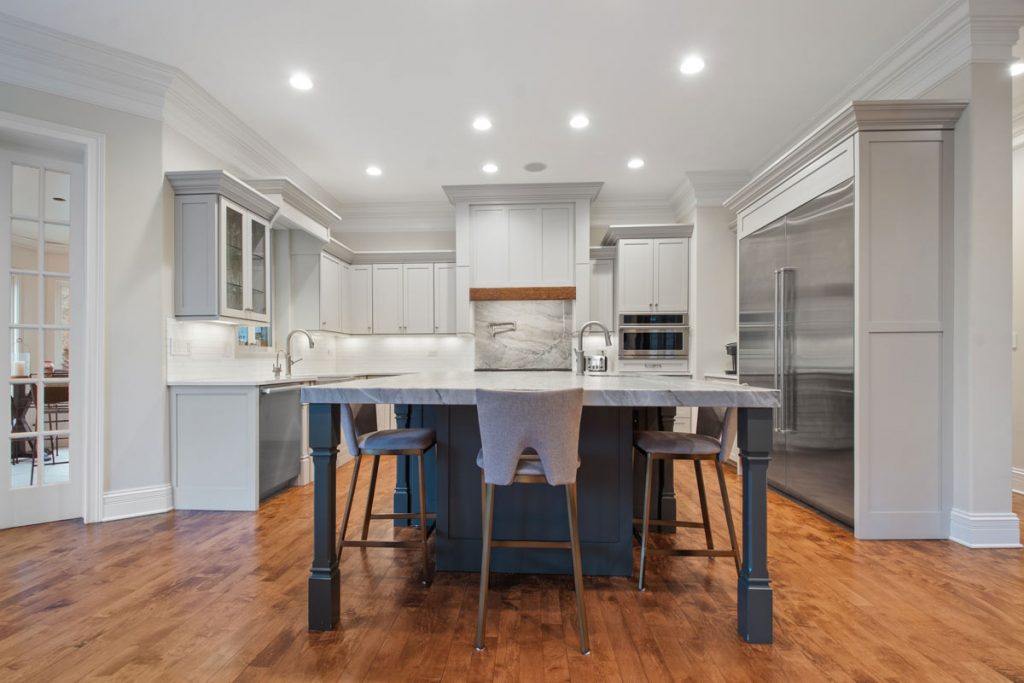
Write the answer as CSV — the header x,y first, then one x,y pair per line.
x,y
266,391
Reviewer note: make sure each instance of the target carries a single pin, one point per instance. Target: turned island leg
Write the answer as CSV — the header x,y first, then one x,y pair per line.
x,y
754,590
324,578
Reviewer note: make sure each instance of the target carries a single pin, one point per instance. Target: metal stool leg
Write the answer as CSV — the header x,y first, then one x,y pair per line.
x,y
647,519
348,503
369,496
728,514
703,504
424,531
577,567
485,565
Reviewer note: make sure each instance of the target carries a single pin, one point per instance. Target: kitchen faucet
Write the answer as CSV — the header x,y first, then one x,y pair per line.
x,y
289,361
581,359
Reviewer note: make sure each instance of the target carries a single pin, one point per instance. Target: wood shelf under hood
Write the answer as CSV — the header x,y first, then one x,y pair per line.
x,y
522,294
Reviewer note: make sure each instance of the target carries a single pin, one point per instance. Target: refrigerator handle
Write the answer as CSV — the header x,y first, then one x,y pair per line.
x,y
776,377
786,416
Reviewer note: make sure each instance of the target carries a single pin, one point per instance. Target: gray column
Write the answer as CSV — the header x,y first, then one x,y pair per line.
x,y
324,578
754,589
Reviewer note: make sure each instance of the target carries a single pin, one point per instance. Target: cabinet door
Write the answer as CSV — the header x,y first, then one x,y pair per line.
x,y
490,238
444,298
330,293
635,276
233,260
671,275
359,300
258,267
418,297
387,299
557,262
602,292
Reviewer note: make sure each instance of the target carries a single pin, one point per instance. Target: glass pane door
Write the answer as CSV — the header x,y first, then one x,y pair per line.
x,y
40,297
258,261
234,259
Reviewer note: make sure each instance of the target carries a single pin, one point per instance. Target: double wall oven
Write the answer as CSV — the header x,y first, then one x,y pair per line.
x,y
663,336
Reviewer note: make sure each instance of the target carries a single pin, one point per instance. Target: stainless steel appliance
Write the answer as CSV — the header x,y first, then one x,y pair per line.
x,y
796,325
656,335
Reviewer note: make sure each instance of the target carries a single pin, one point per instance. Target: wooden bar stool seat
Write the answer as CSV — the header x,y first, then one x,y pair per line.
x,y
698,448
529,437
365,441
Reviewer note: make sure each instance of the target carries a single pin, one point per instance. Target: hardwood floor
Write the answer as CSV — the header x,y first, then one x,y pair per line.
x,y
222,596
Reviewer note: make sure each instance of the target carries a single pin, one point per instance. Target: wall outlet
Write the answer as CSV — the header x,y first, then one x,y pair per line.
x,y
179,347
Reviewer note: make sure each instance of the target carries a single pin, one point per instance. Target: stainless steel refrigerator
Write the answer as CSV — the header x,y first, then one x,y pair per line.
x,y
796,319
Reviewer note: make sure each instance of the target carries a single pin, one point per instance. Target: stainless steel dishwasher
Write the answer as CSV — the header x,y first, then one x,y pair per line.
x,y
280,437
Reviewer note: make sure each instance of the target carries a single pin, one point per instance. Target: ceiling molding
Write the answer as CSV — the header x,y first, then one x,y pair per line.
x,y
857,116
399,217
299,198
224,184
36,57
522,192
639,210
959,32
707,188
650,231
422,256
603,253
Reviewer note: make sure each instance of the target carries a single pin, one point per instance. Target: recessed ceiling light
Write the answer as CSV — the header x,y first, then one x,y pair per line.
x,y
1017,68
300,81
482,123
490,167
373,170
579,121
692,64
635,162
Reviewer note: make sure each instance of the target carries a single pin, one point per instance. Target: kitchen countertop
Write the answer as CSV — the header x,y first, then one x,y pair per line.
x,y
620,389
256,381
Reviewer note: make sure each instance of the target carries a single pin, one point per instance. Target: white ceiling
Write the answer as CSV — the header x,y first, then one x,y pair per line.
x,y
399,81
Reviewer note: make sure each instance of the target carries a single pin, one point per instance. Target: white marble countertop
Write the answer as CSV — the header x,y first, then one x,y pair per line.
x,y
256,381
620,389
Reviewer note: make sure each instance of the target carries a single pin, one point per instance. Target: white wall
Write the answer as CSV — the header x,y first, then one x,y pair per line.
x,y
1018,313
712,290
136,300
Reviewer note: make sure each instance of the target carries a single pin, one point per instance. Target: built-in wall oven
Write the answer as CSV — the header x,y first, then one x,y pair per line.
x,y
655,335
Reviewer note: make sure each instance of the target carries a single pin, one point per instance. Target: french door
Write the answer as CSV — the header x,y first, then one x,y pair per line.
x,y
42,238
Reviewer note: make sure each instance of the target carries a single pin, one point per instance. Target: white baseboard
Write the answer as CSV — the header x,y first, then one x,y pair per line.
x,y
985,529
147,500
1018,480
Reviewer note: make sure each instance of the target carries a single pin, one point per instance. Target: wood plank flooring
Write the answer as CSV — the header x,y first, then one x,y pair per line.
x,y
217,596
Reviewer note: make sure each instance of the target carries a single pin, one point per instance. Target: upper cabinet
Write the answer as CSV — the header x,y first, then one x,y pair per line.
x,y
403,298
602,292
357,311
317,294
522,244
221,248
444,298
653,275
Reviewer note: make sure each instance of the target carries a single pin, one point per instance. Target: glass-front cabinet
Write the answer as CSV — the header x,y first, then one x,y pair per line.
x,y
222,248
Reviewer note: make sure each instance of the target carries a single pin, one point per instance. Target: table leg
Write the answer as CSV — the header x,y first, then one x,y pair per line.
x,y
754,590
324,578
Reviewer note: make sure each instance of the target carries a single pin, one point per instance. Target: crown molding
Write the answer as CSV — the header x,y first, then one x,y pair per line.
x,y
522,192
34,56
603,253
637,210
225,184
399,217
298,198
857,116
645,231
707,188
957,33
359,258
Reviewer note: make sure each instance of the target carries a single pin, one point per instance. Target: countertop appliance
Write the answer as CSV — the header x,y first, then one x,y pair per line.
x,y
796,324
656,335
730,350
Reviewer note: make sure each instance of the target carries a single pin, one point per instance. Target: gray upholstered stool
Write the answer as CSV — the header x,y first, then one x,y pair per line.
x,y
716,433
530,437
365,441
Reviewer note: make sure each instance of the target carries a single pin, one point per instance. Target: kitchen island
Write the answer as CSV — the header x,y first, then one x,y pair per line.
x,y
613,406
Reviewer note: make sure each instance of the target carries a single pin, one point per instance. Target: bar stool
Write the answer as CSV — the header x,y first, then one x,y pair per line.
x,y
716,433
529,437
364,440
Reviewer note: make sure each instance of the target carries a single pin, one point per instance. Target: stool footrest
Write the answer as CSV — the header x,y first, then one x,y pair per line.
x,y
382,544
401,515
555,545
690,553
671,522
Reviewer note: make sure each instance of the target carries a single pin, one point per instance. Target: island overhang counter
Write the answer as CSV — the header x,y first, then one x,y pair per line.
x,y
614,405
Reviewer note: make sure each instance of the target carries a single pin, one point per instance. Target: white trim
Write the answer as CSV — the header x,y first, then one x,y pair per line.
x,y
146,500
706,188
522,192
94,351
984,529
1017,481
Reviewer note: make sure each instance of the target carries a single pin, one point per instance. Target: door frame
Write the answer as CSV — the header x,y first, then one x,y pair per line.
x,y
92,367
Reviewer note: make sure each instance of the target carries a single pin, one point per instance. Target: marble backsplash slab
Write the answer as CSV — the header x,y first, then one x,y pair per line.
x,y
542,339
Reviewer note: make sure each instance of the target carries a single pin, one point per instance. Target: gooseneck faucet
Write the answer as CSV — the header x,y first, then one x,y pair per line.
x,y
289,361
581,359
